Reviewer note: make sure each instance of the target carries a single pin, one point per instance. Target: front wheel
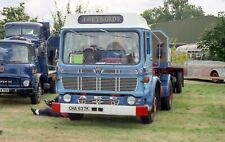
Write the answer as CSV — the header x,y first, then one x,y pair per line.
x,y
53,86
75,116
36,96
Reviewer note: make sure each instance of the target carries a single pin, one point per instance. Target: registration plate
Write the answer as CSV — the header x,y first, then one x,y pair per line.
x,y
4,90
79,108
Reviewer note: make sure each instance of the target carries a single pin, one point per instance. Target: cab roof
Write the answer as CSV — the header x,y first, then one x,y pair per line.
x,y
106,20
15,41
24,23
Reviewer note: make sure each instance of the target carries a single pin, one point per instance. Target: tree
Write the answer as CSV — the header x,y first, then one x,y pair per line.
x,y
181,9
178,58
156,15
12,14
1,30
59,18
80,9
213,39
172,10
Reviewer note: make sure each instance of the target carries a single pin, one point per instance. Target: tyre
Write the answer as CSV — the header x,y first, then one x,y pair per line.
x,y
36,96
52,87
215,74
75,116
158,100
178,84
156,103
167,101
151,115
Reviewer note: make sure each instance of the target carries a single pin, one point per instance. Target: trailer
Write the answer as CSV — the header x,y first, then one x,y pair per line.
x,y
114,64
205,70
199,66
23,60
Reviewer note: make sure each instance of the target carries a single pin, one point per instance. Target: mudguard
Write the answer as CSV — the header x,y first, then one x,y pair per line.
x,y
165,80
150,89
220,71
37,78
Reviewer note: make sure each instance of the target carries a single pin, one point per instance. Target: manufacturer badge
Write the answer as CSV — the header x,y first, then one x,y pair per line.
x,y
98,70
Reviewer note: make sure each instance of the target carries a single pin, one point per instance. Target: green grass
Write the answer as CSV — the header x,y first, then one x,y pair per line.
x,y
198,114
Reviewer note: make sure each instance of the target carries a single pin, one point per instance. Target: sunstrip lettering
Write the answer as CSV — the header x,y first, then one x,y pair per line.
x,y
100,19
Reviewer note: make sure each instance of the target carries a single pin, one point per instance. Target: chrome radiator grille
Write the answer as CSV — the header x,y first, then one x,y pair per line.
x,y
99,83
108,84
127,83
87,83
70,82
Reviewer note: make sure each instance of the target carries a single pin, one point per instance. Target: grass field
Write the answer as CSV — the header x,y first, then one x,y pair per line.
x,y
198,115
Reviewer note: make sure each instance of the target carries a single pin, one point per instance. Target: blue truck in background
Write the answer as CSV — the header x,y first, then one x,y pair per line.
x,y
114,64
24,60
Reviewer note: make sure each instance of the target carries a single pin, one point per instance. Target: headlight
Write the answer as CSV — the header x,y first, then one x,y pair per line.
x,y
67,98
26,83
131,100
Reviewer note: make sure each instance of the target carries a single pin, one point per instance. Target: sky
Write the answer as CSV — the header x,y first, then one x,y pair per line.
x,y
43,9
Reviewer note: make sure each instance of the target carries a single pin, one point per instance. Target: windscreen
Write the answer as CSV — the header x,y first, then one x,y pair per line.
x,y
15,53
16,30
101,48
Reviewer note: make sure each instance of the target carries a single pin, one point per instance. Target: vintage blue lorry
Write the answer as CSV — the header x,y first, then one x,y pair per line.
x,y
23,60
114,64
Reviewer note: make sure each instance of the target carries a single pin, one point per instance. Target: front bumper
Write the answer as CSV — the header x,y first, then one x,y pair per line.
x,y
100,109
16,90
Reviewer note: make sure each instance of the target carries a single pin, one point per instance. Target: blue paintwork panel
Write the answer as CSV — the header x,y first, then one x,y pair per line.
x,y
14,75
165,80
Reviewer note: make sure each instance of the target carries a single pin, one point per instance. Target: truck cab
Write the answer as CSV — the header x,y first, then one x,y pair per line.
x,y
24,60
18,69
106,67
37,33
